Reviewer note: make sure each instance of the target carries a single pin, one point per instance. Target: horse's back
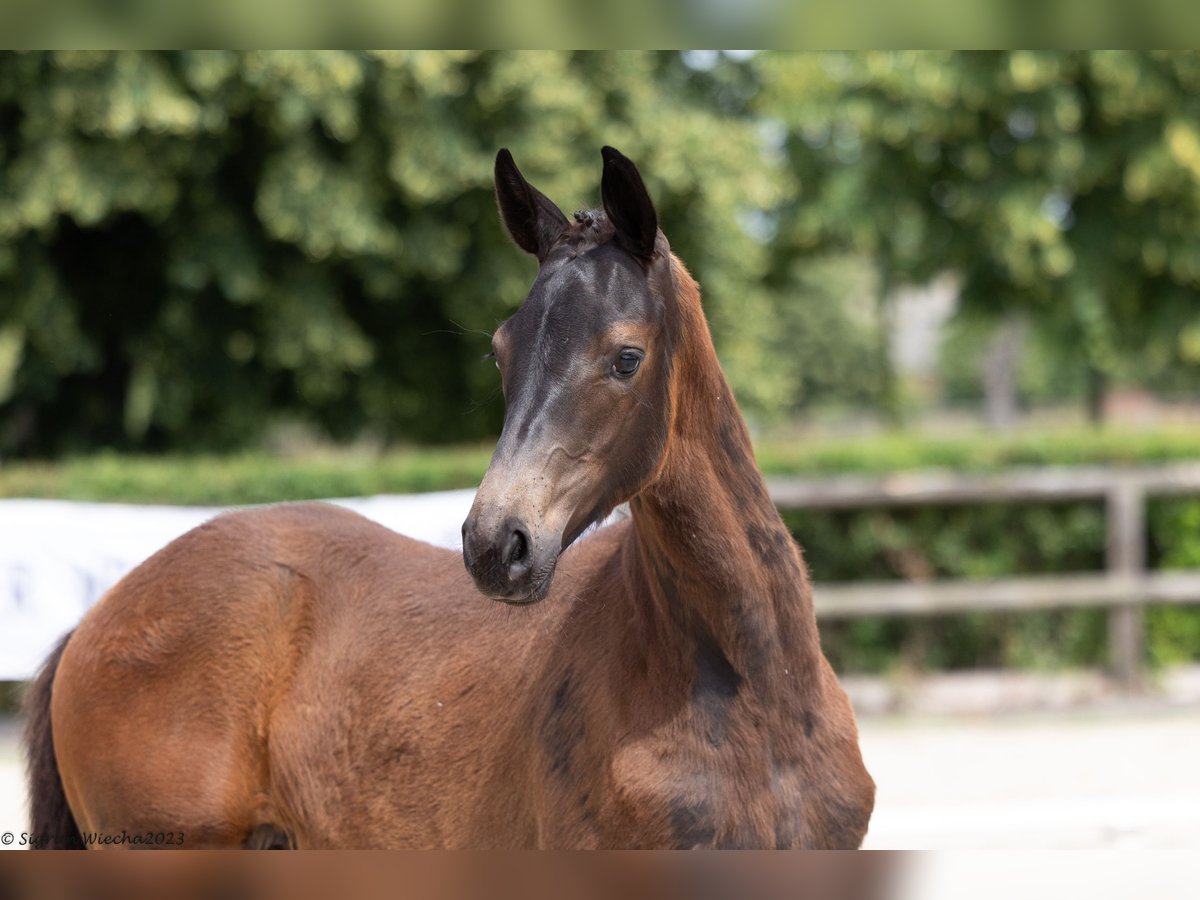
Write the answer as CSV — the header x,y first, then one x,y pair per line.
x,y
166,696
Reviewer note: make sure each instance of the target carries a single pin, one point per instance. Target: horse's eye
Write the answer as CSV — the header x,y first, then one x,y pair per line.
x,y
627,362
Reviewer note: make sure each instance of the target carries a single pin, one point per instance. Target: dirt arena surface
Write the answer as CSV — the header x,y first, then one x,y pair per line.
x,y
1099,779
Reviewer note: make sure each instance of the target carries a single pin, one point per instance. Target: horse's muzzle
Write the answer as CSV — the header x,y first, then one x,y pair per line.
x,y
506,561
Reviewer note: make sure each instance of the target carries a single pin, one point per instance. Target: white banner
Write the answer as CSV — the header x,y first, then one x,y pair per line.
x,y
57,557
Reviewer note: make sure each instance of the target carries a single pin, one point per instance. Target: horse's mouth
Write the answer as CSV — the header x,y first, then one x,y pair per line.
x,y
518,601
535,594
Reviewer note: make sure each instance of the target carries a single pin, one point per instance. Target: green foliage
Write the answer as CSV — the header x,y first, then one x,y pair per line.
x,y
12,697
903,450
821,341
988,541
193,243
1047,373
1061,184
1173,632
232,480
951,542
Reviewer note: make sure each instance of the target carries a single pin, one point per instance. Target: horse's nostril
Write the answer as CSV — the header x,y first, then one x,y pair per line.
x,y
468,556
516,548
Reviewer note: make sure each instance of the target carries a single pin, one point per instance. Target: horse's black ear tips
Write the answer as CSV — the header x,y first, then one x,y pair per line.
x,y
505,162
612,156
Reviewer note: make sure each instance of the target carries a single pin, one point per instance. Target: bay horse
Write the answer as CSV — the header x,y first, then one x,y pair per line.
x,y
298,676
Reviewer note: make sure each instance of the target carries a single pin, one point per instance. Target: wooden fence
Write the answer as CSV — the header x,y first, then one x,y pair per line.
x,y
1124,587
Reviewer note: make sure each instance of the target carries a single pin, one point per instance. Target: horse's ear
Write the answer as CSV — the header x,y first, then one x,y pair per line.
x,y
627,203
532,220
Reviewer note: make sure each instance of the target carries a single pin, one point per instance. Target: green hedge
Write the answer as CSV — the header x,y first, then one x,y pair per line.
x,y
953,541
975,452
991,541
262,478
246,478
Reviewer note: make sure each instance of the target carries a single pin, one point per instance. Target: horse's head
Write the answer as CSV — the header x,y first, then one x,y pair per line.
x,y
585,365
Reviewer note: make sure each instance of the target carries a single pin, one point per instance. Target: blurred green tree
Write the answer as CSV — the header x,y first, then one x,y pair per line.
x,y
194,242
1062,185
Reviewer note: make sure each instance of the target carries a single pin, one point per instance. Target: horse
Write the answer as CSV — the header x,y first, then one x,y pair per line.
x,y
298,676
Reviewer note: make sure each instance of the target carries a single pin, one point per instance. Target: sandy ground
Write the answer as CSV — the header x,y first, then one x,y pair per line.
x,y
1122,778
1116,778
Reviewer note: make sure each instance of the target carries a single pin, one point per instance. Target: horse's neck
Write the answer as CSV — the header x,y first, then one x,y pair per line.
x,y
709,548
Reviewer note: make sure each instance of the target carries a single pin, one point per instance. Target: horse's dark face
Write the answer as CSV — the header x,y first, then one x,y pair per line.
x,y
585,365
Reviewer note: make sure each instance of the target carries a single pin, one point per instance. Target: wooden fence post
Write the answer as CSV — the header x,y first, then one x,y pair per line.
x,y
1126,559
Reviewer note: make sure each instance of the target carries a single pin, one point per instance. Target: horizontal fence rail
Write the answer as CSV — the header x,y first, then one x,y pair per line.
x,y
1124,587
927,488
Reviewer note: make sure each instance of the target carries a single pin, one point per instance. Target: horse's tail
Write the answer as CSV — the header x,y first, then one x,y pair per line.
x,y
51,822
